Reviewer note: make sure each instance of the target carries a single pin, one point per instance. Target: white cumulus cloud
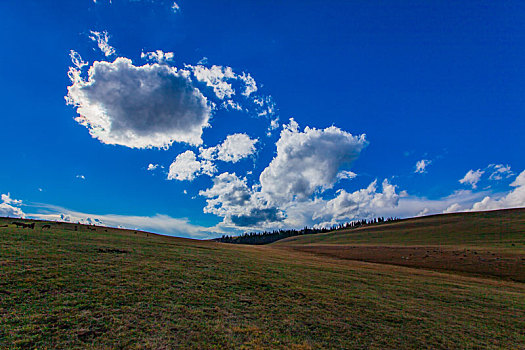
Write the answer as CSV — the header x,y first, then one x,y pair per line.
x,y
10,207
152,167
138,106
231,198
366,202
453,208
233,149
513,199
308,161
187,167
472,177
217,78
158,56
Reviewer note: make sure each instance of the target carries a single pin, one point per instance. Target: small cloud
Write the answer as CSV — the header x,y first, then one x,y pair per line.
x,y
82,177
152,167
454,208
233,149
499,171
175,7
203,60
40,190
230,104
217,78
250,84
423,212
187,167
274,124
421,166
158,56
102,40
472,177
266,107
346,174
222,80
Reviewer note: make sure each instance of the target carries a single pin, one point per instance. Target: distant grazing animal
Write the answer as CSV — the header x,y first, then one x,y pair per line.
x,y
46,226
4,225
23,225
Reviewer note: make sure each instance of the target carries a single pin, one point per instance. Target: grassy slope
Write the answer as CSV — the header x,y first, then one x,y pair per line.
x,y
495,229
482,243
61,288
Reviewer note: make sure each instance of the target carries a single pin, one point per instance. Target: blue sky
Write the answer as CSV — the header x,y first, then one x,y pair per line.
x,y
399,109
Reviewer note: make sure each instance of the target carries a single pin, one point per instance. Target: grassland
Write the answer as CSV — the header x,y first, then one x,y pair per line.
x,y
109,288
503,229
490,244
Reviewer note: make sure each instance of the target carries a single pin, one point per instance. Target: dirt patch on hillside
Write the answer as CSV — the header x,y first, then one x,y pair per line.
x,y
479,262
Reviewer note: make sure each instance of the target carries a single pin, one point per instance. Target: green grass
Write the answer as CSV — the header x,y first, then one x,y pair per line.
x,y
503,229
62,288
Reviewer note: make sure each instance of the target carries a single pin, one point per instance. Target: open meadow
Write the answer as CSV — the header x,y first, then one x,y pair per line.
x,y
481,243
97,287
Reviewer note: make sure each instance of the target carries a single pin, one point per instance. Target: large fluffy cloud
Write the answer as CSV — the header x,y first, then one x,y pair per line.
x,y
138,106
308,161
231,198
10,207
233,149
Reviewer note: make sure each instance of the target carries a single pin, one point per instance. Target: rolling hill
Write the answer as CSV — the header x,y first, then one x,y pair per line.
x,y
76,286
498,228
480,243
